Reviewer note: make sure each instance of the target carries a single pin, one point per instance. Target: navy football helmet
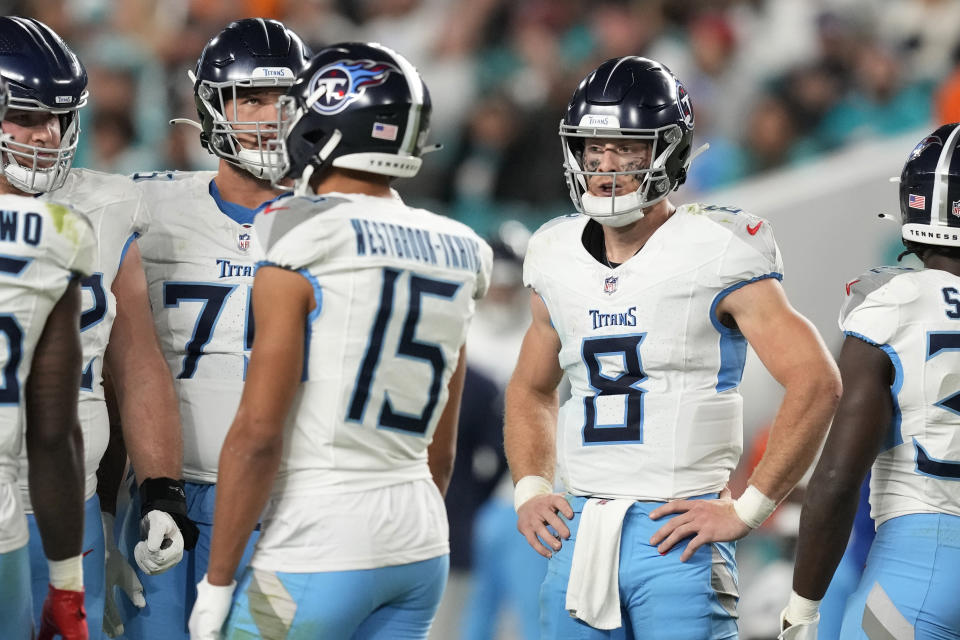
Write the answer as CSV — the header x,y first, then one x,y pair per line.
x,y
356,106
930,189
628,98
253,52
43,74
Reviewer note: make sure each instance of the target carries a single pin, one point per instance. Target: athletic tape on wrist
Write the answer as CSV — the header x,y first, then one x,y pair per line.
x,y
801,610
753,507
67,575
530,487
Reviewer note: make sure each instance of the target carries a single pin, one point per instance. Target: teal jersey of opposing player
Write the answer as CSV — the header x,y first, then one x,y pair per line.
x,y
42,246
395,289
117,212
199,257
655,411
914,317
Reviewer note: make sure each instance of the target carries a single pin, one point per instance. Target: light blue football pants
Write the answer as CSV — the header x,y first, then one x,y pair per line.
x,y
912,579
389,603
661,598
171,594
16,619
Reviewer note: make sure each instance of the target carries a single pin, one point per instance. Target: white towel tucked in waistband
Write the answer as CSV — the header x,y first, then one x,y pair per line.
x,y
593,591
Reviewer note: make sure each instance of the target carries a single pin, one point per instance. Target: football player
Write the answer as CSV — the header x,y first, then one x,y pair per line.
x,y
347,426
48,89
46,248
199,257
900,416
648,308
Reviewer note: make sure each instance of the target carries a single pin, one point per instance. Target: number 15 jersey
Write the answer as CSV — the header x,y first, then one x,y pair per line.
x,y
655,411
395,289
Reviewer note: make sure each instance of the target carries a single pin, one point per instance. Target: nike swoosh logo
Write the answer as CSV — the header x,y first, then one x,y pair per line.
x,y
87,552
753,230
851,283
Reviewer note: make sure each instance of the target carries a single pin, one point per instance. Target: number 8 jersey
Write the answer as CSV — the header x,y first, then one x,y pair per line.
x,y
913,316
655,411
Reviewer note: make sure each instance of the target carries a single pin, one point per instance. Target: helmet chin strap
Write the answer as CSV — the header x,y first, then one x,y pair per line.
x,y
613,212
40,181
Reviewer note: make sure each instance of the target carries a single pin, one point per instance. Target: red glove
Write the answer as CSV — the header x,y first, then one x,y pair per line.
x,y
63,614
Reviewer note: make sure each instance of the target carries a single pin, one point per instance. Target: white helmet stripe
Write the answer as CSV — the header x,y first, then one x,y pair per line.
x,y
416,98
939,207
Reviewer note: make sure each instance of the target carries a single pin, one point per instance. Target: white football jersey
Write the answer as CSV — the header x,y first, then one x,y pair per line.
x,y
655,411
395,290
913,316
199,258
116,210
42,245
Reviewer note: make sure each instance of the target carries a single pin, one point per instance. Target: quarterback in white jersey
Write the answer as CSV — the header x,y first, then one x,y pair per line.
x,y
648,308
36,158
900,418
347,427
199,257
44,249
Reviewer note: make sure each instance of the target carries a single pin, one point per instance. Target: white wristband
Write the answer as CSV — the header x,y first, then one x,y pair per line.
x,y
67,575
753,507
530,487
800,610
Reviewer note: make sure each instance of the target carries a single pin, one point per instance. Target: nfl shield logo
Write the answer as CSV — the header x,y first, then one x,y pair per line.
x,y
955,209
610,284
243,237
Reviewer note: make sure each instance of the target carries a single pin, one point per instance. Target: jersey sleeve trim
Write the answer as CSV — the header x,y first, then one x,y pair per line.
x,y
126,247
733,346
719,326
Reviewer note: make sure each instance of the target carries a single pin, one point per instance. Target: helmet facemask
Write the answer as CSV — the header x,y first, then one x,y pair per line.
x,y
654,183
34,169
223,129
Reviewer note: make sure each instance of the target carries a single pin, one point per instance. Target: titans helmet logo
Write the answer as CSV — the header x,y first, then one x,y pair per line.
x,y
923,144
685,105
337,85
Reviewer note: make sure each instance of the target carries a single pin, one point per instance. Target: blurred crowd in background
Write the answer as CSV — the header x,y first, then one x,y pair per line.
x,y
774,84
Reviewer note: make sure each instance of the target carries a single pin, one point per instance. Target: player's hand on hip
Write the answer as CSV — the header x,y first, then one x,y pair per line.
x,y
533,517
118,573
703,520
161,543
63,615
210,610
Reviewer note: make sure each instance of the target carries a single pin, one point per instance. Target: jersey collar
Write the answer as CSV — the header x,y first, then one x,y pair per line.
x,y
236,212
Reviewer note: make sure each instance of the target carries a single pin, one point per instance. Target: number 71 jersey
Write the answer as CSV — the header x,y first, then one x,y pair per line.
x,y
395,288
655,412
914,317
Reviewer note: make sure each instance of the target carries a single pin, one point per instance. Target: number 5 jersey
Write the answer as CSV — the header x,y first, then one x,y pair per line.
x,y
655,411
